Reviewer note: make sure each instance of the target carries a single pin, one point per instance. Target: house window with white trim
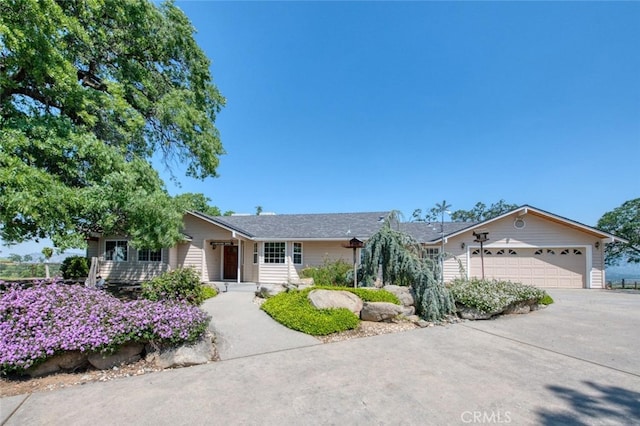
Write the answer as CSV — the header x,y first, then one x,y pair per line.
x,y
297,253
274,252
116,251
148,255
431,252
255,253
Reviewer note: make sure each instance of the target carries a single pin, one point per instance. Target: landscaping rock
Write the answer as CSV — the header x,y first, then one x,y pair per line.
x,y
474,314
326,299
518,308
67,361
380,311
404,293
268,290
408,310
200,352
126,354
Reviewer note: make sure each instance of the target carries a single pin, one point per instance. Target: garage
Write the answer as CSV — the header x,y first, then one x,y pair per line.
x,y
563,267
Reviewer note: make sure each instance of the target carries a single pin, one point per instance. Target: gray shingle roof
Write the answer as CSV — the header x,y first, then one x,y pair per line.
x,y
304,226
425,233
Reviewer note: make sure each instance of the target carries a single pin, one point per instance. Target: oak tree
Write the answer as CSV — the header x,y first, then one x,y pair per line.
x,y
90,91
623,221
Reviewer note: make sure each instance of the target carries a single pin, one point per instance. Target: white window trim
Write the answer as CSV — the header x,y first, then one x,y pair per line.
x,y
149,260
264,253
256,253
293,253
117,240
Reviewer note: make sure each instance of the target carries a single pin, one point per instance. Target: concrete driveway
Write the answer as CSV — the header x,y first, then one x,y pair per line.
x,y
575,363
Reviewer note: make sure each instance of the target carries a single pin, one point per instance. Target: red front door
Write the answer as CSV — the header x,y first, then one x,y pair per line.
x,y
230,270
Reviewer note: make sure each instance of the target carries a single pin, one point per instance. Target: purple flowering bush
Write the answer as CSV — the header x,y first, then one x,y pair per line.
x,y
49,318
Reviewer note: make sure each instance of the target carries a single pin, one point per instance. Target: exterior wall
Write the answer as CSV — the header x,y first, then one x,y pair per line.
x,y
199,252
131,269
93,248
538,232
314,253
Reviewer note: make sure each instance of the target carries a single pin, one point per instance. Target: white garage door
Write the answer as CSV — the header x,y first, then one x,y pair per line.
x,y
547,267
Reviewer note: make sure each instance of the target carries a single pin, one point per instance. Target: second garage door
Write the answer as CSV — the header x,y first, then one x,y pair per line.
x,y
544,267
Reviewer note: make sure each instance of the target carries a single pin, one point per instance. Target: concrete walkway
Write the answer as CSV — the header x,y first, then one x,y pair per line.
x,y
545,368
243,329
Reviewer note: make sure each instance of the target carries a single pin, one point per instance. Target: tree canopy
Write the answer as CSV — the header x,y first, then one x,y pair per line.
x,y
624,222
200,203
90,91
479,213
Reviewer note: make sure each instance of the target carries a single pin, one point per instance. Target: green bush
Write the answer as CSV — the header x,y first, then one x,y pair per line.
x,y
294,310
330,273
208,292
366,294
546,299
178,284
489,296
74,267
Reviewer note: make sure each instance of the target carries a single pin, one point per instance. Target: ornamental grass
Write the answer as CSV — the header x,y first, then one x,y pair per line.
x,y
49,318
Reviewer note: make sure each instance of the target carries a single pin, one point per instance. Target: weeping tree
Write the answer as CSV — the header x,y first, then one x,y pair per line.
x,y
403,262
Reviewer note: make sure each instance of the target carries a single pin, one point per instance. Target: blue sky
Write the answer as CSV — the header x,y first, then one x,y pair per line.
x,y
371,106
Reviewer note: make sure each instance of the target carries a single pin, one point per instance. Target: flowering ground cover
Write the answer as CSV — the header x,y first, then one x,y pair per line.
x,y
493,295
49,318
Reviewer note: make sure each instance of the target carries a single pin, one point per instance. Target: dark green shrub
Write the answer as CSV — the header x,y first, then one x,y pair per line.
x,y
330,273
74,267
294,310
366,294
178,284
546,299
489,296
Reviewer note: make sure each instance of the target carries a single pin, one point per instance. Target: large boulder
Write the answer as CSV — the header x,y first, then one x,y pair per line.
x,y
197,353
267,290
66,361
327,299
380,311
466,312
126,354
403,293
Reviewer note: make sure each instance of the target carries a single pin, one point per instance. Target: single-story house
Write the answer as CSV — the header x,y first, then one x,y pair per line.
x,y
527,244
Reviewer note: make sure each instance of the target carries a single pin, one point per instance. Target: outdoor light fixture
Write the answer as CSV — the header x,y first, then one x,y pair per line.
x,y
597,245
462,245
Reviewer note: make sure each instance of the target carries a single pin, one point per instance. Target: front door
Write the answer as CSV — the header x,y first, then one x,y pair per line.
x,y
230,270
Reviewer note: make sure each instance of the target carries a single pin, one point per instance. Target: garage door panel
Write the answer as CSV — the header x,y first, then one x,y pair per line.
x,y
554,267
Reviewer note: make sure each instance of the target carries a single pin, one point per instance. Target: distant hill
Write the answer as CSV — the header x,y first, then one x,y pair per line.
x,y
624,270
56,258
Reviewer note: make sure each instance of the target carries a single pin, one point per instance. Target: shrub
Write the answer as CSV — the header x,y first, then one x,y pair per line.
x,y
366,294
294,310
546,299
489,296
178,284
330,273
74,267
40,321
208,292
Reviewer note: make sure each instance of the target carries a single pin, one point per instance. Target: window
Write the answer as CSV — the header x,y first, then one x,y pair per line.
x,y
487,252
255,253
550,252
431,253
274,252
512,252
116,251
147,255
564,252
538,252
500,252
297,253
476,251
577,252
